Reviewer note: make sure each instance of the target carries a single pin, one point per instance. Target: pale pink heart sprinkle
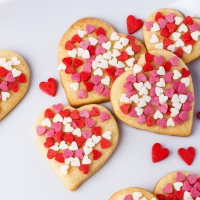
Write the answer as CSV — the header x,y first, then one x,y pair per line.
x,y
90,60
40,130
170,17
183,116
76,77
148,25
168,77
169,92
186,106
89,28
87,67
182,89
96,79
79,154
153,92
10,78
67,153
133,112
102,39
99,88
131,78
180,177
84,44
73,124
192,178
4,86
194,27
128,86
163,108
130,93
99,50
84,113
194,192
57,126
86,134
148,110
161,122
128,197
106,92
177,120
186,186
141,77
168,189
57,107
89,122
174,61
82,94
154,101
119,71
141,119
154,72
104,116
50,133
190,97
153,79
162,23
159,60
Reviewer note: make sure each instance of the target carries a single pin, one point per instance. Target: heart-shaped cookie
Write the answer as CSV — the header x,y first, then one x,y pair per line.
x,y
91,54
76,142
157,95
133,193
14,80
178,185
169,29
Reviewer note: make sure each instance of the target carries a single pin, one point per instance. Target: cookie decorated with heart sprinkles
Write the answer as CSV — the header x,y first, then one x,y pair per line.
x,y
133,193
91,55
169,29
14,80
157,95
76,142
178,186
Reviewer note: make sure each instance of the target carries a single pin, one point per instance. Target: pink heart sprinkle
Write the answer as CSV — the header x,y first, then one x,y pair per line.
x,y
90,60
194,27
186,106
128,86
79,154
133,112
154,101
141,119
141,78
96,79
162,23
175,85
84,113
67,153
119,71
182,89
4,86
130,93
168,189
148,25
177,120
192,178
153,79
186,186
73,124
190,97
183,116
163,108
168,77
154,72
174,61
159,60
40,130
153,92
197,185
76,77
102,39
89,28
10,78
148,110
86,134
82,94
57,126
128,197
87,67
169,92
170,17
84,44
99,50
131,78
99,88
57,107
104,116
161,122
106,93
194,192
50,133
180,177
89,122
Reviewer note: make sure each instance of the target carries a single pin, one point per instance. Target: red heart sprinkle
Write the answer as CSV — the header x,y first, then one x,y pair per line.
x,y
133,24
171,197
64,113
123,56
187,155
158,16
59,158
84,76
150,121
68,137
169,110
13,86
48,113
198,114
159,153
88,86
136,48
80,141
186,36
161,196
74,114
113,78
185,72
125,108
69,45
3,71
70,70
131,39
67,61
21,78
179,52
172,27
188,20
167,66
165,32
76,38
91,49
149,57
96,130
100,31
58,136
84,168
110,71
49,87
167,42
189,42
96,154
179,194
80,122
94,111
105,143
51,153
147,67
77,62
49,142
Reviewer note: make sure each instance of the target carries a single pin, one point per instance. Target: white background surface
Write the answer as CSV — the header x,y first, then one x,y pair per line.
x,y
33,28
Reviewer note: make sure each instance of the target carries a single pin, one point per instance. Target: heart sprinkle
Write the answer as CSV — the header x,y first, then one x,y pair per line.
x,y
159,153
187,155
49,87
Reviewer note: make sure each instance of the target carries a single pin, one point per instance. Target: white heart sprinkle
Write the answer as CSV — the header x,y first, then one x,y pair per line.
x,y
159,45
75,162
118,45
74,86
177,74
86,160
68,160
106,80
106,45
183,98
57,118
93,41
95,64
120,64
89,143
155,27
179,43
7,65
138,86
135,98
86,54
147,85
161,83
158,115
87,150
146,98
67,120
81,33
104,64
55,146
113,62
174,112
178,20
163,99
115,53
2,61
130,62
195,35
62,66
183,28
143,90
64,169
114,36
187,49
170,122
177,105
96,139
98,71
107,135
68,128
124,41
15,72
175,98
46,122
176,36
139,111
5,95
159,91
186,81
187,196
161,70
77,131
137,69
72,53
142,103
171,48
137,195
73,146
63,145
15,61
80,51
154,39
124,98
129,51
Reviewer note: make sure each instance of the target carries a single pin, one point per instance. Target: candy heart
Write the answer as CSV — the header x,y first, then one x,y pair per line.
x,y
133,24
49,87
158,154
187,155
